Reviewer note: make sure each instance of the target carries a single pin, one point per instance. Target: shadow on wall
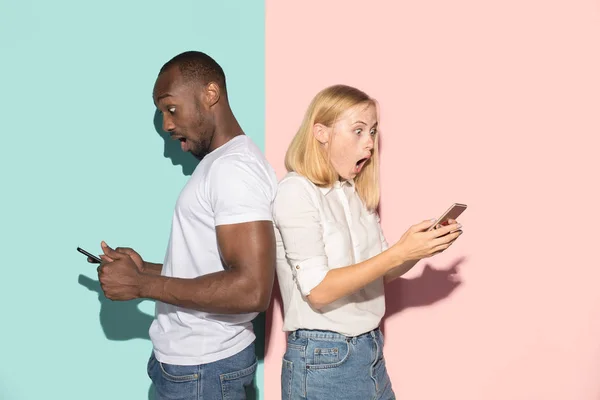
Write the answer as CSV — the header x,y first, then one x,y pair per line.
x,y
123,320
433,285
172,149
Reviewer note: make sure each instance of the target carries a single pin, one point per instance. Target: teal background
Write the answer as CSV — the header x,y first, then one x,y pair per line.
x,y
82,162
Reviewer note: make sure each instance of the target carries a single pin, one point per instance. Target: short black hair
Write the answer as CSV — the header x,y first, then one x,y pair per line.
x,y
197,67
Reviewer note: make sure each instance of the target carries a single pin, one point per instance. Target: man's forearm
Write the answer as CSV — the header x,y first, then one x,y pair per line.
x,y
152,268
224,292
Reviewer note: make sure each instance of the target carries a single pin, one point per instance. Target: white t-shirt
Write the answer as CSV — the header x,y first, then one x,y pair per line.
x,y
232,184
319,229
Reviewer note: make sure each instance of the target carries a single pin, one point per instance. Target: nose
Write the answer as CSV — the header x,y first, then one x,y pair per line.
x,y
168,125
370,143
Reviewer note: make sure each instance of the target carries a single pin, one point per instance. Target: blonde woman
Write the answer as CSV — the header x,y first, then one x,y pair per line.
x,y
332,257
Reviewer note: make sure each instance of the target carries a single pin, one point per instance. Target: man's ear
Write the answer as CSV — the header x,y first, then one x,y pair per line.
x,y
321,133
211,94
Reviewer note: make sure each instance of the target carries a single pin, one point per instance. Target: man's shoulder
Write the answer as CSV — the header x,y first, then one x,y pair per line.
x,y
240,148
240,161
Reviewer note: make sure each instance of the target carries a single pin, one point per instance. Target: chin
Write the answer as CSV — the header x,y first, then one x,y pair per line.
x,y
199,153
199,156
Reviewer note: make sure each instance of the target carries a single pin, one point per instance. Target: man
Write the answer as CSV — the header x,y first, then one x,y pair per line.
x,y
219,266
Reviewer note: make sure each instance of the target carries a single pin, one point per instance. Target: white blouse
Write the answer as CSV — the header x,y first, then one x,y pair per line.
x,y
318,229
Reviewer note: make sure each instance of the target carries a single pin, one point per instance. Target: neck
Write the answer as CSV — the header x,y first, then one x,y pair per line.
x,y
226,128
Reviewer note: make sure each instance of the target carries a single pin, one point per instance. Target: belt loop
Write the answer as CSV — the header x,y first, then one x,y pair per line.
x,y
293,335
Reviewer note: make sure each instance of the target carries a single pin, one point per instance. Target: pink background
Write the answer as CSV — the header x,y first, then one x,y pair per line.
x,y
493,104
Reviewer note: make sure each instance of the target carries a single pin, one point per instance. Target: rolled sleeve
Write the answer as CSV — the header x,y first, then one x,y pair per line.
x,y
299,223
309,273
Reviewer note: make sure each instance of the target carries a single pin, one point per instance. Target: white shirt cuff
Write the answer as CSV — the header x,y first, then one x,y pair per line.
x,y
309,273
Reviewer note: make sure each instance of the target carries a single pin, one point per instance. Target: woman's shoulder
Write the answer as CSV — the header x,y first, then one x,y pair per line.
x,y
297,189
295,181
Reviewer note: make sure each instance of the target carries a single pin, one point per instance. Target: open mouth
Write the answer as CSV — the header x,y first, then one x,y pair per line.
x,y
360,164
182,140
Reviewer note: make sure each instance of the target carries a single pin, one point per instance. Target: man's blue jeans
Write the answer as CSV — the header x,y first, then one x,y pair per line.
x,y
227,379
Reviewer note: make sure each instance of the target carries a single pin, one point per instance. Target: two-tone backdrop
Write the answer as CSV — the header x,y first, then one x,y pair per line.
x,y
491,104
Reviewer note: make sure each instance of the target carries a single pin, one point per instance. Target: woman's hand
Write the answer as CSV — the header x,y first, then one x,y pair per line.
x,y
418,243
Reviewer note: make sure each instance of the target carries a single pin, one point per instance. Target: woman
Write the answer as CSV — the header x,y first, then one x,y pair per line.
x,y
332,256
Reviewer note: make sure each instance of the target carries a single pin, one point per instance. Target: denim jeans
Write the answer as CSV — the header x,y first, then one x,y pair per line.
x,y
320,365
226,379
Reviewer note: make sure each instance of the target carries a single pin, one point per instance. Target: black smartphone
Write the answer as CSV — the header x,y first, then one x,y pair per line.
x,y
90,255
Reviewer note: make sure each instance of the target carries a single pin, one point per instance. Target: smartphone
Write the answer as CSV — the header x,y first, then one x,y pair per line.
x,y
452,213
90,255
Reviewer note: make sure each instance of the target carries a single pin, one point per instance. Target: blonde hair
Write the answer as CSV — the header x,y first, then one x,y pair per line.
x,y
306,156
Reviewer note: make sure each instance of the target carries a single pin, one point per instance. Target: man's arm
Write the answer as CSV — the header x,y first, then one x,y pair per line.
x,y
152,268
248,254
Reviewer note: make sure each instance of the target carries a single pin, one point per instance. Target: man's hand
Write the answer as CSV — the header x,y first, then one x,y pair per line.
x,y
135,256
120,278
143,266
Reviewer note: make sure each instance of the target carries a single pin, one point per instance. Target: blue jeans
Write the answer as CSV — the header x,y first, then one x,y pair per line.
x,y
320,365
226,379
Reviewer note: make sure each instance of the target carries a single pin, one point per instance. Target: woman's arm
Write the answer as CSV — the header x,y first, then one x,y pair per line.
x,y
340,282
299,223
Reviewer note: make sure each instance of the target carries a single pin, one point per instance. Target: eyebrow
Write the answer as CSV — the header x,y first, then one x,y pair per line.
x,y
364,123
162,96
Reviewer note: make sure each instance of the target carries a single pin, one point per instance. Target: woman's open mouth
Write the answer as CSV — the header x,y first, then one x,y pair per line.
x,y
360,164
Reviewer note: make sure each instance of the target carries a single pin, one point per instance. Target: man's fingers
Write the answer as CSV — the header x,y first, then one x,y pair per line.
x,y
125,250
112,254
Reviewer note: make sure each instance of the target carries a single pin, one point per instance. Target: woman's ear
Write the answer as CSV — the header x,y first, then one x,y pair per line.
x,y
321,133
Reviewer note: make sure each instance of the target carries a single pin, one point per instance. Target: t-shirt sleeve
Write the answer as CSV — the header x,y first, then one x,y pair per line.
x,y
299,223
240,190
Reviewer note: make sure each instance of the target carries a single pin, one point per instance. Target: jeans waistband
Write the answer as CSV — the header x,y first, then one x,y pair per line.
x,y
330,335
